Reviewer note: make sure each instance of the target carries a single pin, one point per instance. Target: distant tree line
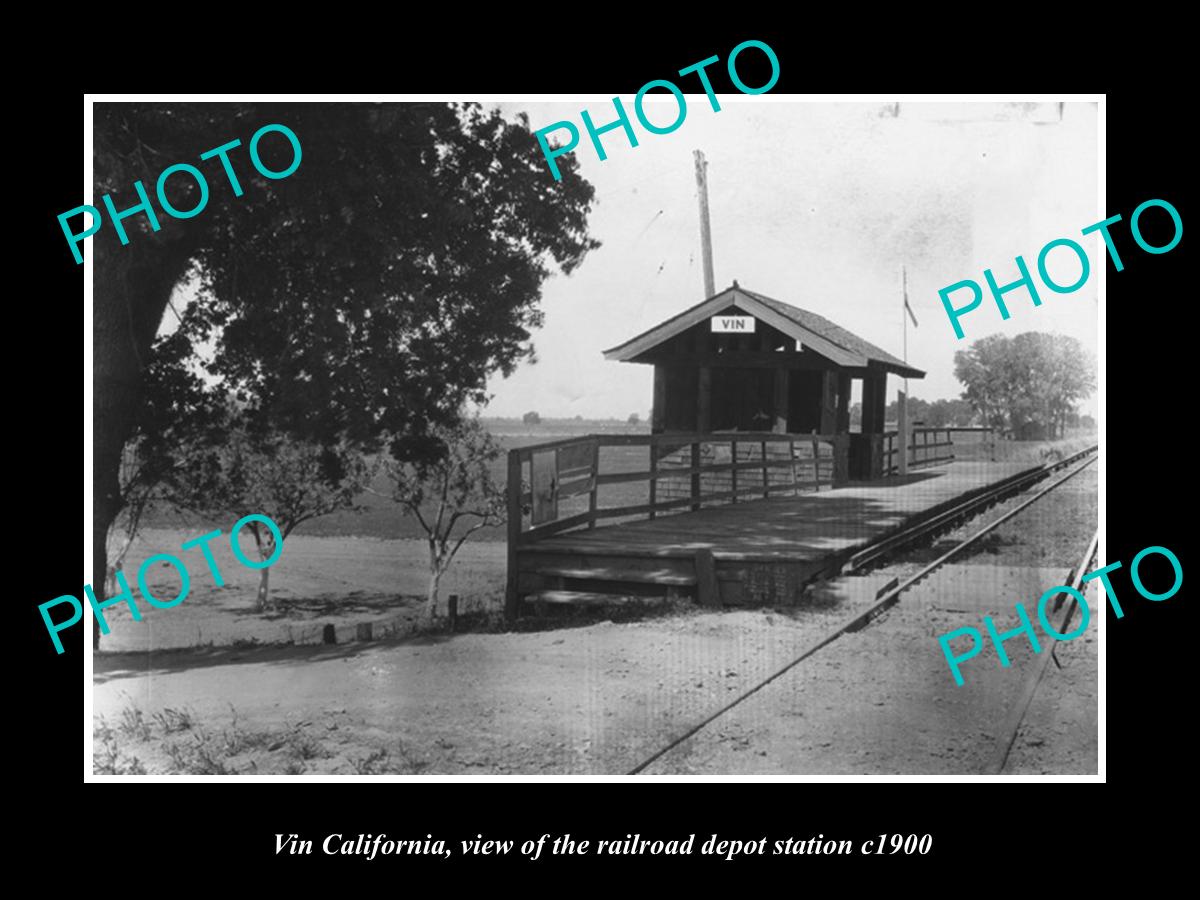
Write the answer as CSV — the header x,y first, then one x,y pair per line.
x,y
1028,387
934,414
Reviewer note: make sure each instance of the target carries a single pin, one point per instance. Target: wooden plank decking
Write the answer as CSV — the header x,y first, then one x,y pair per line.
x,y
760,551
793,529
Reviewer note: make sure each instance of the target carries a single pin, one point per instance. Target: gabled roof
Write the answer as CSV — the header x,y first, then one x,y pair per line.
x,y
811,330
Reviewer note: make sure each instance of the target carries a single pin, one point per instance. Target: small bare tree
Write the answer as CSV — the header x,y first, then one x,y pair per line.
x,y
286,479
451,492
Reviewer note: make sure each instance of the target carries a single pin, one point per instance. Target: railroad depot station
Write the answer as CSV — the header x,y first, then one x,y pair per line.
x,y
740,361
752,484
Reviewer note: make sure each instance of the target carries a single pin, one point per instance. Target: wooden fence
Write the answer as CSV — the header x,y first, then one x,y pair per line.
x,y
927,447
678,472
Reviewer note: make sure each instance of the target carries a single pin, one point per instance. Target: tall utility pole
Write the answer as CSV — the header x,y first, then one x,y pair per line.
x,y
710,287
904,316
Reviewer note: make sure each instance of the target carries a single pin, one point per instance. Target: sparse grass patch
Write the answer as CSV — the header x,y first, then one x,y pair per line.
x,y
133,724
374,763
305,746
381,762
101,730
202,755
109,760
171,720
208,759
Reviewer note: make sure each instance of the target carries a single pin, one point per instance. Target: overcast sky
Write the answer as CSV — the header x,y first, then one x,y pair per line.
x,y
818,205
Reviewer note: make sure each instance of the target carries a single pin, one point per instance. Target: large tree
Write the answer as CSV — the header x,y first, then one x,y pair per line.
x,y
370,292
1028,384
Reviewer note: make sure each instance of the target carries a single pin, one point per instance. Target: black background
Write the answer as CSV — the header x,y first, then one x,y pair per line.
x,y
174,830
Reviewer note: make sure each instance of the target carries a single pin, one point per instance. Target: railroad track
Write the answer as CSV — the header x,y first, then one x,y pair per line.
x,y
890,594
1016,716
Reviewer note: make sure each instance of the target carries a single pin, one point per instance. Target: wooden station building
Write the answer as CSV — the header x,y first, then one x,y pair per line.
x,y
740,361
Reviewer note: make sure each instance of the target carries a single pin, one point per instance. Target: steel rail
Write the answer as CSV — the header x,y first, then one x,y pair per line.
x,y
1017,714
993,494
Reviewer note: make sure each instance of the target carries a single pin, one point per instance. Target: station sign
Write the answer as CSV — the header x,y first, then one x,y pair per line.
x,y
727,324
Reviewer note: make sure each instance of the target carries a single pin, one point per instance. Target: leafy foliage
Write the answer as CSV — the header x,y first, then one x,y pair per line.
x,y
1027,385
376,288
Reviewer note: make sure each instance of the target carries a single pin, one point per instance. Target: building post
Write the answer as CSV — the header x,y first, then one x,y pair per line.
x,y
874,403
902,428
842,424
829,403
704,400
658,412
781,401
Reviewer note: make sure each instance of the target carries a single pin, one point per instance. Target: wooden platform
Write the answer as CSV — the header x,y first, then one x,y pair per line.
x,y
765,550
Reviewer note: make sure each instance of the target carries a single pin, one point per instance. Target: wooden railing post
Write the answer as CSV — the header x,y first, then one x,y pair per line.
x,y
695,475
766,472
841,459
733,471
513,489
592,496
653,477
708,592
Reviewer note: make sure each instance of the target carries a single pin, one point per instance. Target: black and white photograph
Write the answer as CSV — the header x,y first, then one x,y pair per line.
x,y
528,436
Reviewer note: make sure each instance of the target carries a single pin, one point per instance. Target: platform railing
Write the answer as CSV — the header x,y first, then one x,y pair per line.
x,y
679,472
927,446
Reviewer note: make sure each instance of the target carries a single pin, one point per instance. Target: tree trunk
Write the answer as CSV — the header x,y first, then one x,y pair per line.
x,y
263,581
132,286
435,578
102,517
266,546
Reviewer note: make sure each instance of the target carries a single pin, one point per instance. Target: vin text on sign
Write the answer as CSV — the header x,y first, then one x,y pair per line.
x,y
732,323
